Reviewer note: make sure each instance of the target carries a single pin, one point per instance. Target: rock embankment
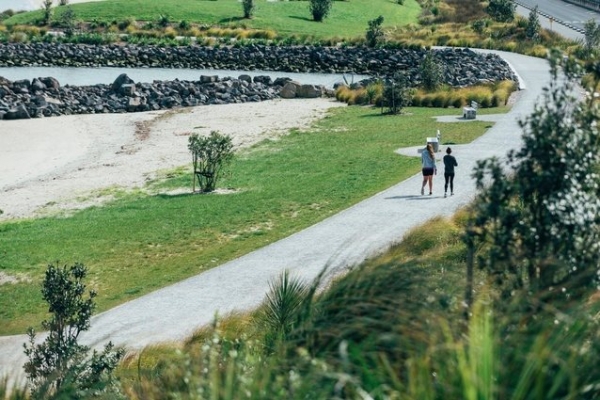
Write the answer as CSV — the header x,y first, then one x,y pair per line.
x,y
45,96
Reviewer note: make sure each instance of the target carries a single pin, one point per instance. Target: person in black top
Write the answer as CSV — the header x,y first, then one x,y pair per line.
x,y
449,164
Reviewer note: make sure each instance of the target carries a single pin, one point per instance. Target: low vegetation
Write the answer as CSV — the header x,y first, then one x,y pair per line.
x,y
492,95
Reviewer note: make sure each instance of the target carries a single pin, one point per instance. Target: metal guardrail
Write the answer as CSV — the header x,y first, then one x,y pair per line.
x,y
563,23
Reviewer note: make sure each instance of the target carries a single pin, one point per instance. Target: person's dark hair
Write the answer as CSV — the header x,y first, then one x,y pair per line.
x,y
448,150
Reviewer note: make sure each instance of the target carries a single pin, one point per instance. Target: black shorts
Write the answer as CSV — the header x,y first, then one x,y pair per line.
x,y
427,171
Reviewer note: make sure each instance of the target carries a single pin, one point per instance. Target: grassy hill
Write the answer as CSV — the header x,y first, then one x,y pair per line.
x,y
347,18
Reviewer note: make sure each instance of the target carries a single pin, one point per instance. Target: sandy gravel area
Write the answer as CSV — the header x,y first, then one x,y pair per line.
x,y
57,164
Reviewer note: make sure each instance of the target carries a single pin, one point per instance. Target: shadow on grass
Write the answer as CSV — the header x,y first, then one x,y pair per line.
x,y
231,19
301,18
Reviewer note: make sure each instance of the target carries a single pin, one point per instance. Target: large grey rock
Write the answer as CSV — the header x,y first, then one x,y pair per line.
x,y
20,112
290,90
309,91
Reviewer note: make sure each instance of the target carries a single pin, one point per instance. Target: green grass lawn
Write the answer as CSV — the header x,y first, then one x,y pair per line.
x,y
141,243
347,18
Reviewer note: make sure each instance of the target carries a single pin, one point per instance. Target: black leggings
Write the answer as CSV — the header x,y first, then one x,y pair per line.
x,y
449,178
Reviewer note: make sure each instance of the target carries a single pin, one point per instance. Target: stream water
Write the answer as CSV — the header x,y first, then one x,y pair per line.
x,y
91,76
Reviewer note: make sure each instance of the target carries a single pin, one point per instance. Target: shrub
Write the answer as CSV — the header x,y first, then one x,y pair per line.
x,y
440,100
374,31
60,364
46,11
457,101
431,72
248,6
210,154
320,9
170,33
374,92
485,102
501,10
417,100
533,25
396,94
184,25
163,21
122,25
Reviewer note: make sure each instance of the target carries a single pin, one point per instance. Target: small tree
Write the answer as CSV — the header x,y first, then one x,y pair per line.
x,y
591,37
248,6
68,21
60,364
396,94
533,25
63,2
432,72
209,155
320,9
47,11
374,31
501,10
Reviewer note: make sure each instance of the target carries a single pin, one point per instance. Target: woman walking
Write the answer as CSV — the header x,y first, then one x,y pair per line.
x,y
429,168
449,164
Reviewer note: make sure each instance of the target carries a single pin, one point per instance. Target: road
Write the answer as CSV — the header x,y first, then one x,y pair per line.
x,y
563,12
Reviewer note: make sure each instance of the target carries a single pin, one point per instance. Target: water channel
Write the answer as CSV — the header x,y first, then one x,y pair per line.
x,y
76,76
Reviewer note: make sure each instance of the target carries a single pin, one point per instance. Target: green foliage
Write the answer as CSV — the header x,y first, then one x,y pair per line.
x,y
374,31
209,155
542,224
47,11
396,94
163,20
248,7
591,39
479,25
60,364
501,10
431,72
320,9
282,309
67,21
532,31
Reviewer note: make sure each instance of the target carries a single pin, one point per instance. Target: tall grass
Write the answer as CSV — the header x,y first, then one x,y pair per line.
x,y
489,95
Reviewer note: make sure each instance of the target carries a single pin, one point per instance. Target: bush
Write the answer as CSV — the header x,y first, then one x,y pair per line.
x,y
374,31
248,6
457,101
210,154
431,72
396,94
320,9
440,100
59,364
501,10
